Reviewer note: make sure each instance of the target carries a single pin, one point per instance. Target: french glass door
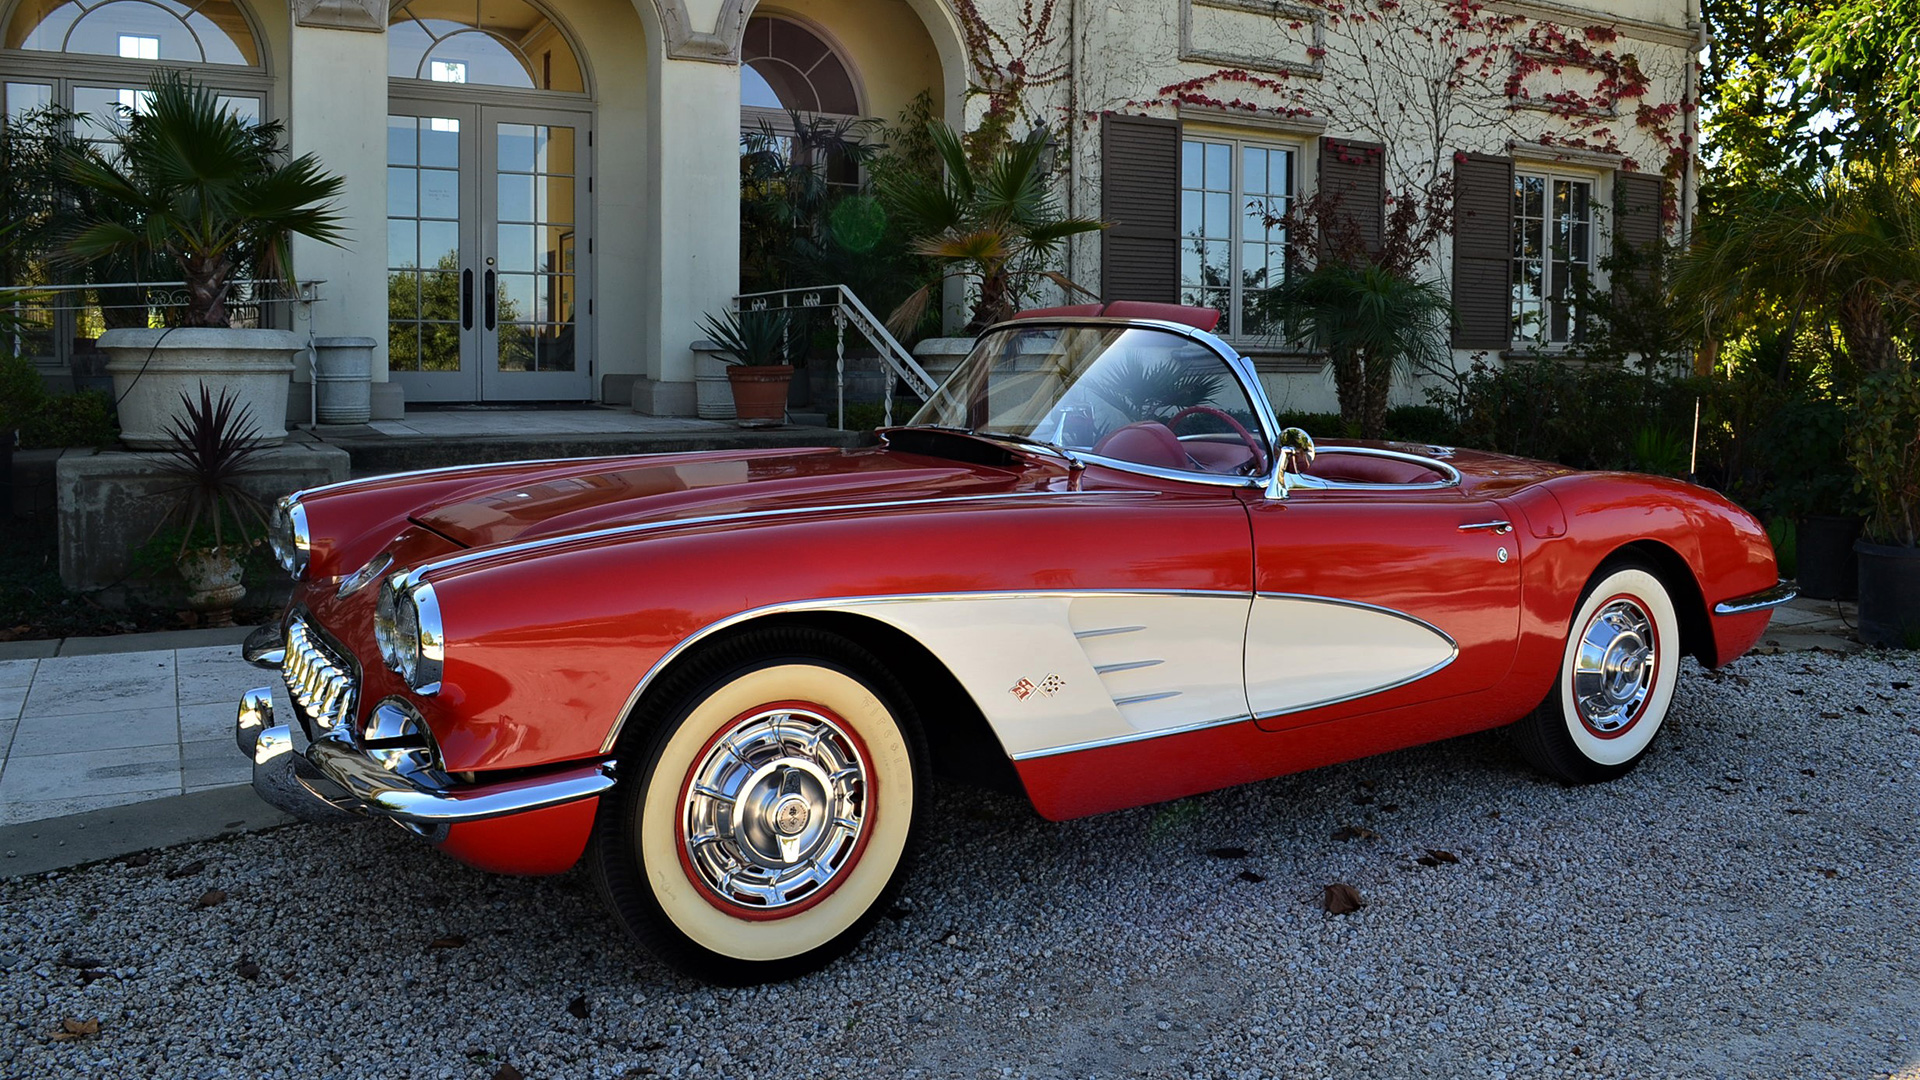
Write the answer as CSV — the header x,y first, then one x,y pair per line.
x,y
487,275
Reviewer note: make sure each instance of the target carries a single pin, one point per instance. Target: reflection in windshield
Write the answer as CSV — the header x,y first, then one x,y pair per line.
x,y
1134,394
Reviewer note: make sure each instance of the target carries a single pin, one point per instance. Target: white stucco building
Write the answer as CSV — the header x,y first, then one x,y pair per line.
x,y
581,155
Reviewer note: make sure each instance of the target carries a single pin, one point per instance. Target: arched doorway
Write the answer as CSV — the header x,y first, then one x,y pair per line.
x,y
489,204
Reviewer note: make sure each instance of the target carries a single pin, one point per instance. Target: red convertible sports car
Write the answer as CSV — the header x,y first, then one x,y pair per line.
x,y
1093,570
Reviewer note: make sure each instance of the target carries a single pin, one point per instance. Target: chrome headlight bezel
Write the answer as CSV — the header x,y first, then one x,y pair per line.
x,y
398,739
288,536
407,627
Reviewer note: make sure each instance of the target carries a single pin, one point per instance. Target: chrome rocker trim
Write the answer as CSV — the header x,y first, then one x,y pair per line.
x,y
334,775
1763,600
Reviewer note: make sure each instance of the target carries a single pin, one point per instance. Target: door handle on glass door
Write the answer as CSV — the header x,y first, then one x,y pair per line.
x,y
466,299
490,300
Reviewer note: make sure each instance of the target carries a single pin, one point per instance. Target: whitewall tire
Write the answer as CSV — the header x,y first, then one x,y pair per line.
x,y
772,809
1615,682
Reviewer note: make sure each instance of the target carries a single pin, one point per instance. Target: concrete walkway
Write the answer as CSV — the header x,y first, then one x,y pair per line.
x,y
87,726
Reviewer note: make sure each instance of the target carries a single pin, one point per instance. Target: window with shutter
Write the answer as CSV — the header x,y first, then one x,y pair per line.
x,y
1140,196
1553,255
1233,249
1482,252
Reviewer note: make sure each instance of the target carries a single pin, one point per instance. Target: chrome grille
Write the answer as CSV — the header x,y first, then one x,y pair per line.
x,y
319,682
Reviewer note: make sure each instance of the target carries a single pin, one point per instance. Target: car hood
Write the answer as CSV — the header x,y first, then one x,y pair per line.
x,y
573,497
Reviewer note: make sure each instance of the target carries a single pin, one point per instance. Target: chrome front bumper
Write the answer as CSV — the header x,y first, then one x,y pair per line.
x,y
1765,599
331,778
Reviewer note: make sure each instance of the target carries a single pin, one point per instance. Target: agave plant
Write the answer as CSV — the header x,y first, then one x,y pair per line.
x,y
214,443
998,224
203,188
754,338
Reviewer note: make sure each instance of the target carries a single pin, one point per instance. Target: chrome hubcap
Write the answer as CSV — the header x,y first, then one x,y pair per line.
x,y
776,809
1614,667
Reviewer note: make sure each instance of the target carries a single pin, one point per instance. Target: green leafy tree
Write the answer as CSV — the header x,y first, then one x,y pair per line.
x,y
213,194
1373,323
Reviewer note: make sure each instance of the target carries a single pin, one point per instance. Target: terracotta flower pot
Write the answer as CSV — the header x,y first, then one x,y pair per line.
x,y
760,393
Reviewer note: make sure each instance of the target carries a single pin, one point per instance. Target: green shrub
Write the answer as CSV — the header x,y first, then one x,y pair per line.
x,y
82,419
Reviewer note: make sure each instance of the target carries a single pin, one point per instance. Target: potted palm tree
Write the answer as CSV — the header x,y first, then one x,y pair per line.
x,y
758,347
1885,451
211,447
215,196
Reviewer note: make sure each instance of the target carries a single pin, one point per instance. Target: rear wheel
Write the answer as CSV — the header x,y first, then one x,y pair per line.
x,y
771,821
1616,679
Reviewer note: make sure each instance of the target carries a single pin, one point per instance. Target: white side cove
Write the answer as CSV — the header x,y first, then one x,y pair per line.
x,y
1055,672
1306,651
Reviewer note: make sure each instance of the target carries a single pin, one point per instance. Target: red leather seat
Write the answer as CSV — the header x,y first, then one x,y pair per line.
x,y
1361,469
1145,443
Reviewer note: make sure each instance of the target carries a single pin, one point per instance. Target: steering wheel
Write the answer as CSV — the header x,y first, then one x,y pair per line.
x,y
1253,445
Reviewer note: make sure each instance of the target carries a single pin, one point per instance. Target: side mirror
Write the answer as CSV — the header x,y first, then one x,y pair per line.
x,y
1296,450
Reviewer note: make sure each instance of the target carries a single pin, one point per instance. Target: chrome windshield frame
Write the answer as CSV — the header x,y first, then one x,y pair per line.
x,y
1241,367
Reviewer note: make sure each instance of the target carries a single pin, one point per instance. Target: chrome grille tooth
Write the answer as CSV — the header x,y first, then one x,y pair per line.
x,y
320,685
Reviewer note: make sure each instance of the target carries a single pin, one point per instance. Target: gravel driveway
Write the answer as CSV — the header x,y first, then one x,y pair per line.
x,y
1745,904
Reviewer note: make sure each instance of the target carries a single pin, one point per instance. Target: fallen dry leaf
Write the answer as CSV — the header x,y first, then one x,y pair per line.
x,y
1434,857
507,1072
80,962
1354,832
210,898
1250,876
451,941
1900,685
141,859
188,870
579,1008
1340,898
1829,716
71,1029
1228,852
246,968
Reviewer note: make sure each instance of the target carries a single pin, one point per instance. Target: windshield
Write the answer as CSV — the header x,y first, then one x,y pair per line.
x,y
1129,393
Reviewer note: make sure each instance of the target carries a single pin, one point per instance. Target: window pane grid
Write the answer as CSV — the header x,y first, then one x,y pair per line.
x,y
1230,257
1552,256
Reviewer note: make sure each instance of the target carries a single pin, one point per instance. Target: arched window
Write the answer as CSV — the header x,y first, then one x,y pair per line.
x,y
506,43
787,67
199,32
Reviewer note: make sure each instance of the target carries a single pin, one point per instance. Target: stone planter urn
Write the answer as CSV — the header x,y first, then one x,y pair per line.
x,y
712,390
151,369
213,584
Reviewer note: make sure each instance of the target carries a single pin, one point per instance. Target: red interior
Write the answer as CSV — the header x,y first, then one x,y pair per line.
x,y
1361,469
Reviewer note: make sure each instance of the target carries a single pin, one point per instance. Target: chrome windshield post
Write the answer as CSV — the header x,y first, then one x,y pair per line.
x,y
1293,452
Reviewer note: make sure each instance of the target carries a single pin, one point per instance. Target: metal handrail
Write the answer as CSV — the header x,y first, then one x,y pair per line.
x,y
896,361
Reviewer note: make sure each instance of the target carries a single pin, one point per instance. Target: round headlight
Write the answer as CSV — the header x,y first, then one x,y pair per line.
x,y
406,625
288,537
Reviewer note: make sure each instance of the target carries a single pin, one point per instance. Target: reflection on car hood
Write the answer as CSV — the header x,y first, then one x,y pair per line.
x,y
571,497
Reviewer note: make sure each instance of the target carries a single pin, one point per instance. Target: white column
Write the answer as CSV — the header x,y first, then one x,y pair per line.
x,y
337,89
694,217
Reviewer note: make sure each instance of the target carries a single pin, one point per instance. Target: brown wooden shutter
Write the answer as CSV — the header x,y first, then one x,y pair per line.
x,y
1639,205
1355,173
1140,195
1482,252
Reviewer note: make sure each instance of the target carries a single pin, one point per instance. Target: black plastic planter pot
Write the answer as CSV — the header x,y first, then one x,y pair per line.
x,y
1889,595
1824,557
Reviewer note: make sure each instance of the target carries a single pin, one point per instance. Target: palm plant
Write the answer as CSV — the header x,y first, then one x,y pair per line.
x,y
753,338
1372,322
996,223
1846,247
203,188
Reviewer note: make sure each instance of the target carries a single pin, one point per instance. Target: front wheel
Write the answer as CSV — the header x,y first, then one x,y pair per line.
x,y
1616,680
773,818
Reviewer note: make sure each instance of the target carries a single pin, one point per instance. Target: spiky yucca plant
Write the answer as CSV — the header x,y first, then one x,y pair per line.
x,y
205,189
213,446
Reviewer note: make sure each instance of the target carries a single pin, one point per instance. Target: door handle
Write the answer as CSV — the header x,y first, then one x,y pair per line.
x,y
1497,528
466,299
490,300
